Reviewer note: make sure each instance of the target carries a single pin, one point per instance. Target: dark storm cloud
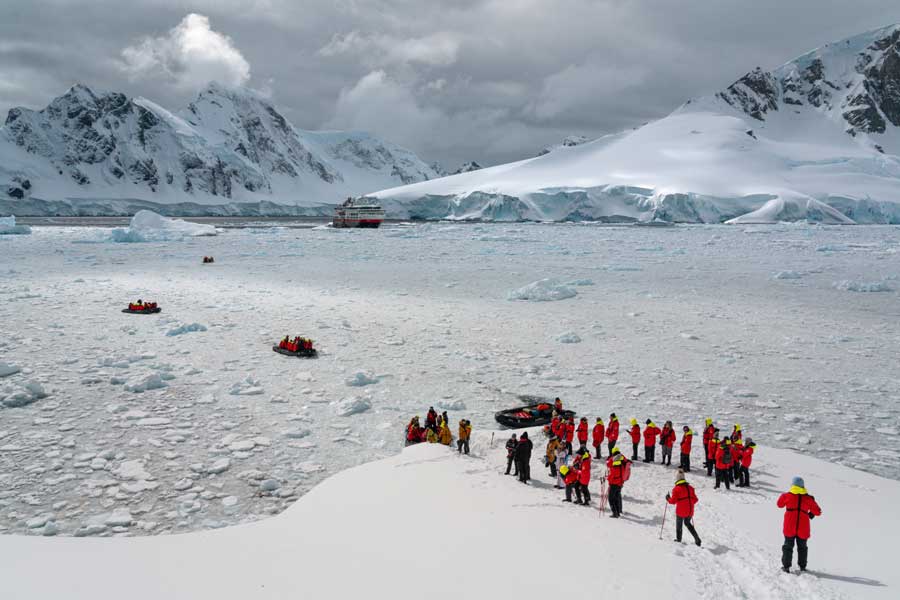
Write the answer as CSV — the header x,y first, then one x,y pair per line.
x,y
490,80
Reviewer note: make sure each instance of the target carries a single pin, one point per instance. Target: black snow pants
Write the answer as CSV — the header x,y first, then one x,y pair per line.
x,y
584,493
611,445
510,460
649,453
686,522
524,470
615,500
686,463
722,477
787,552
634,455
462,446
710,465
597,449
745,477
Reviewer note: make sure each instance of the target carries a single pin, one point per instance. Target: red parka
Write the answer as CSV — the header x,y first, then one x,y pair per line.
x,y
554,426
584,473
747,457
582,432
686,440
617,471
711,447
737,453
635,432
684,497
667,437
612,432
650,433
720,459
798,507
597,435
570,431
571,476
708,434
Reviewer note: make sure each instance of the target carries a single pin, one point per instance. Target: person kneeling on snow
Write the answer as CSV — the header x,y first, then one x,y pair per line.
x,y
800,509
571,478
684,497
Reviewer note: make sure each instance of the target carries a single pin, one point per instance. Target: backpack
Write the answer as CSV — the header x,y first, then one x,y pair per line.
x,y
726,455
626,471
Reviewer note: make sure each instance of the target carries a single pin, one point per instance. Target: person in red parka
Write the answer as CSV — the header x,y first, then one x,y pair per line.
x,y
737,449
686,439
597,437
711,447
554,425
584,477
666,442
684,497
570,477
582,432
612,432
800,509
618,474
708,432
635,433
650,433
724,460
746,461
570,433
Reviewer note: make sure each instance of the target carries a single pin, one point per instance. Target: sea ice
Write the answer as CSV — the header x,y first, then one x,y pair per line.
x,y
544,290
182,329
8,227
352,406
147,226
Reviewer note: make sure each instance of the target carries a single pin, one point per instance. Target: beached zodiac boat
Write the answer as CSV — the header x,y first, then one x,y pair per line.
x,y
358,212
530,415
142,308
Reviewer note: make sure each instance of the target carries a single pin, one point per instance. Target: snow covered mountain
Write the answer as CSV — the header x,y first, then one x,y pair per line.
x,y
229,152
467,167
816,139
568,142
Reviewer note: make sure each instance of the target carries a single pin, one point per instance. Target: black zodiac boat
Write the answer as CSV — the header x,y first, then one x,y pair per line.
x,y
531,415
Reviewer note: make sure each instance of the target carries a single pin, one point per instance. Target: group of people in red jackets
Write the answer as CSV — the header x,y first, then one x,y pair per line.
x,y
729,456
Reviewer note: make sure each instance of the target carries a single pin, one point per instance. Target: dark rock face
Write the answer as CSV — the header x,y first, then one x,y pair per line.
x,y
883,80
756,93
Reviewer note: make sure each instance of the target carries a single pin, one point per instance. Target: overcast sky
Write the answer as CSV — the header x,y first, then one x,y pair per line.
x,y
485,80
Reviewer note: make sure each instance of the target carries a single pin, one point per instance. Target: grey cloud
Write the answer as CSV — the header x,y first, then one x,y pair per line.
x,y
485,80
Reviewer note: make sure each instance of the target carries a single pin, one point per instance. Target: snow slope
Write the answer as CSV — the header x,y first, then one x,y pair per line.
x,y
229,153
457,525
817,139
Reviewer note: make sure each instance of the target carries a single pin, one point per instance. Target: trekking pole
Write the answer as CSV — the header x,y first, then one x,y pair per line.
x,y
665,510
492,439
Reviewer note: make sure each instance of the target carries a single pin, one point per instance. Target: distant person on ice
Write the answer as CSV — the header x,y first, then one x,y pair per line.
x,y
597,437
666,442
562,457
746,461
431,419
582,434
465,432
684,497
523,457
570,477
584,478
618,474
570,433
511,444
635,433
708,433
800,509
650,433
612,432
686,440
724,460
711,448
550,454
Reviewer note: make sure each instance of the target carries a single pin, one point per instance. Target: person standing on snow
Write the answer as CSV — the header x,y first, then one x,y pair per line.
x,y
465,432
584,478
612,432
597,437
724,461
582,432
686,440
746,461
444,435
635,433
650,433
562,456
737,451
570,433
618,474
708,432
800,509
550,455
666,442
684,497
431,419
557,405
523,457
736,434
554,425
711,447
511,444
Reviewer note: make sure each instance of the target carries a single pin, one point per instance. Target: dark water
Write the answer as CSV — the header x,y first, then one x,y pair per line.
x,y
223,222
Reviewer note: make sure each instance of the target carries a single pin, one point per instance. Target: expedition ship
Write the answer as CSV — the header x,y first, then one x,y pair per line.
x,y
358,212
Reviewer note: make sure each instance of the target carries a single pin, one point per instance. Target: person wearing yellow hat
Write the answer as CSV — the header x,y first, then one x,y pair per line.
x,y
736,433
651,431
635,433
724,460
708,431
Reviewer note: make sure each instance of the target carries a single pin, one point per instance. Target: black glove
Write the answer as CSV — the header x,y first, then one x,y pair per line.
x,y
811,516
668,497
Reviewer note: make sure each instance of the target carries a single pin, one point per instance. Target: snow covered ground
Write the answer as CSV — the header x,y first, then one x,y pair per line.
x,y
117,424
428,517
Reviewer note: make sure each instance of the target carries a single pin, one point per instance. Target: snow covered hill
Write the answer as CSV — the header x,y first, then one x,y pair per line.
x,y
428,517
816,139
229,152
